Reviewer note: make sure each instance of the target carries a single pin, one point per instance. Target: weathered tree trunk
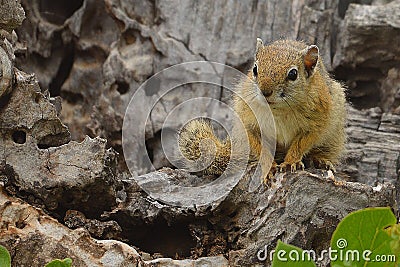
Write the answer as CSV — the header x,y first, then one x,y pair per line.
x,y
61,128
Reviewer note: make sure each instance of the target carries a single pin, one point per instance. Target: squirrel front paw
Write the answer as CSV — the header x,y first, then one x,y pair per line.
x,y
268,177
293,166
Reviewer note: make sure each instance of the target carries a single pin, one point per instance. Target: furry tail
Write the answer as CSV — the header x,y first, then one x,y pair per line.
x,y
196,132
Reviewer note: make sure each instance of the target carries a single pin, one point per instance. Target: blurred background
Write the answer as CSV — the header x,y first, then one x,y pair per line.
x,y
95,54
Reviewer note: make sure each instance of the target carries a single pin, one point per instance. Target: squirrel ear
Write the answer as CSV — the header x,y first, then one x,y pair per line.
x,y
310,58
259,44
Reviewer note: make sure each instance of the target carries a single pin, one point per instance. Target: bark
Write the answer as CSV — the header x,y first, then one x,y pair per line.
x,y
61,128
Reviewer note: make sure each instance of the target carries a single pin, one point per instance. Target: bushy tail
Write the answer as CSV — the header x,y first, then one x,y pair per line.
x,y
201,131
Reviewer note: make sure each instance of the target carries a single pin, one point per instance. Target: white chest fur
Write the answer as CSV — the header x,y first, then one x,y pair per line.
x,y
287,127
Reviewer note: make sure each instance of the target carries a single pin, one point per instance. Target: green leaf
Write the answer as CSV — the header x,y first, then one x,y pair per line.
x,y
394,233
288,255
5,258
360,239
67,262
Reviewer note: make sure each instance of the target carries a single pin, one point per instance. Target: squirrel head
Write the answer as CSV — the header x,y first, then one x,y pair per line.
x,y
283,71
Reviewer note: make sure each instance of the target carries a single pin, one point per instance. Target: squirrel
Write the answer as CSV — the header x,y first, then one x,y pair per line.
x,y
307,105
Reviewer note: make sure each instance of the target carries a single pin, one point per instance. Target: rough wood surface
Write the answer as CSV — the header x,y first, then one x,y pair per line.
x,y
373,150
89,57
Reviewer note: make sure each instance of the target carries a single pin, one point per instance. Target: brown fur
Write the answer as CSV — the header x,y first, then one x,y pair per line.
x,y
309,112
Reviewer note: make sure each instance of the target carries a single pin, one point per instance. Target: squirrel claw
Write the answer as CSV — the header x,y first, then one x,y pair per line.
x,y
269,177
293,166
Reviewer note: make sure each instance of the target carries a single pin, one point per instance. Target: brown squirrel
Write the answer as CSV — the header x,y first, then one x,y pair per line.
x,y
307,105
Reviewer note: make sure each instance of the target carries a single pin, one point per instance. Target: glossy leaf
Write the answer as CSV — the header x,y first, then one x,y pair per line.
x,y
5,258
360,239
60,263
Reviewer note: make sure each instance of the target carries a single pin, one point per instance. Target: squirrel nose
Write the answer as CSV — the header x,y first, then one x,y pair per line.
x,y
267,93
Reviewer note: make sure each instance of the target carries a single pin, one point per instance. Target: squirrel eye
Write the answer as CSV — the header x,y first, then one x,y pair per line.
x,y
255,70
292,74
